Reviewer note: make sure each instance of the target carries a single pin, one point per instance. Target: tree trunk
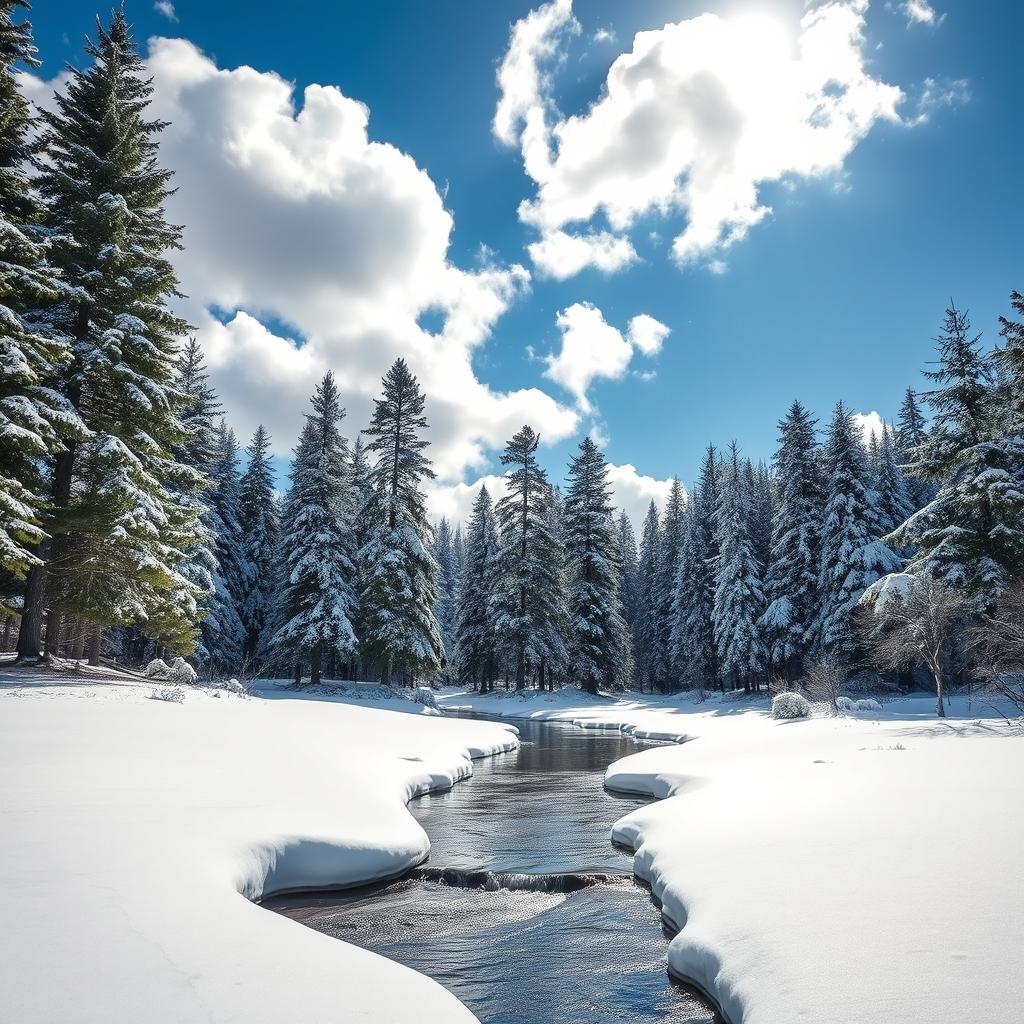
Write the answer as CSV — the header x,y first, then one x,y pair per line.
x,y
78,648
30,634
95,646
521,669
315,661
385,676
940,707
8,622
298,673
54,629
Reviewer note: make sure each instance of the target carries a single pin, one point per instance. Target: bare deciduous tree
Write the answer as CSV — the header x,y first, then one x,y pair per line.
x,y
997,643
926,624
825,680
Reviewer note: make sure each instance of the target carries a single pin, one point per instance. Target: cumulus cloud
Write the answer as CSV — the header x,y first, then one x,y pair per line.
x,y
166,8
310,247
592,348
632,492
690,123
869,423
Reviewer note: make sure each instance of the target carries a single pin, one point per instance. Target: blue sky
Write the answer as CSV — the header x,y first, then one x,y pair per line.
x,y
836,294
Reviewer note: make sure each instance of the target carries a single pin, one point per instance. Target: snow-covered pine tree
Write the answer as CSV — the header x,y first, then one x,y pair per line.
x,y
596,623
458,561
105,194
555,658
693,638
34,418
970,535
673,525
399,574
791,582
526,605
226,649
475,637
851,556
739,595
647,638
446,606
258,522
911,434
891,498
317,598
762,512
629,573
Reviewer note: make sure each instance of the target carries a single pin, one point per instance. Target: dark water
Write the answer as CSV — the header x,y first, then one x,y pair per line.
x,y
584,943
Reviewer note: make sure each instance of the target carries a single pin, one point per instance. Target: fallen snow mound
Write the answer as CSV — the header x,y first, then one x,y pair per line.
x,y
868,704
790,705
179,671
425,695
845,704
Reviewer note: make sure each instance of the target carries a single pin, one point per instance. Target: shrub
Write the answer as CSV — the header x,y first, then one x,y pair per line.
x,y
869,704
425,695
790,705
169,693
845,704
182,672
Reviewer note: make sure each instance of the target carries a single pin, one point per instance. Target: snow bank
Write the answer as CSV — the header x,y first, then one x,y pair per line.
x,y
132,829
849,870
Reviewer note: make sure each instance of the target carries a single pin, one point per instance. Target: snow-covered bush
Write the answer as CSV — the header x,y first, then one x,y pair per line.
x,y
845,704
869,704
425,695
157,669
790,705
182,672
234,686
169,693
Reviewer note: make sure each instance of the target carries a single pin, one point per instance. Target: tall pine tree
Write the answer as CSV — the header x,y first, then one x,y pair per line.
x,y
258,522
475,636
399,574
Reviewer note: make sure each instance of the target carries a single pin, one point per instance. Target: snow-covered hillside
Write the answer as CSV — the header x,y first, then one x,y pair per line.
x,y
133,829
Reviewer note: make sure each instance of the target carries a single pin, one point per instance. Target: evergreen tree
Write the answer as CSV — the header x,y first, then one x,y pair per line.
x,y
595,610
647,638
226,648
555,661
526,604
852,556
629,573
762,511
673,523
34,418
791,580
399,581
970,535
258,522
693,637
318,595
910,436
446,606
475,636
105,195
739,597
892,501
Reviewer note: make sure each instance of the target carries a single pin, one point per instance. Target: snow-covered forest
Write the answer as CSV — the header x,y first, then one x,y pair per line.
x,y
130,530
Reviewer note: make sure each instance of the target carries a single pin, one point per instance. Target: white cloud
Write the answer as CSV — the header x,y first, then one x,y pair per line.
x,y
166,8
922,12
294,217
632,492
869,423
604,35
690,122
592,348
561,255
936,95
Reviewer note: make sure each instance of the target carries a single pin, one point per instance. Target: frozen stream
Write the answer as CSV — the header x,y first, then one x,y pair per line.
x,y
520,956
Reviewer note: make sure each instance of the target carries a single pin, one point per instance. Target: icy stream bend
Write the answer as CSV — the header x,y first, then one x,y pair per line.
x,y
525,910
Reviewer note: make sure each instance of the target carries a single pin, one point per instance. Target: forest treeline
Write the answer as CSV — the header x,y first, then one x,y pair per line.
x,y
128,528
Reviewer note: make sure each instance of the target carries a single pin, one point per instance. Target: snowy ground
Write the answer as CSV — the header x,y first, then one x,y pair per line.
x,y
132,828
852,870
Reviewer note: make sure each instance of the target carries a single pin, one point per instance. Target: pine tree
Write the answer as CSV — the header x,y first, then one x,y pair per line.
x,y
969,535
892,500
647,639
792,576
673,523
762,512
596,622
399,582
475,636
105,195
317,601
693,637
554,553
739,597
226,648
446,606
629,573
258,522
526,605
910,436
34,418
852,556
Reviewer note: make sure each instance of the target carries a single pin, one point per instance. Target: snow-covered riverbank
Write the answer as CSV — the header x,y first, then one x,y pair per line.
x,y
129,827
851,870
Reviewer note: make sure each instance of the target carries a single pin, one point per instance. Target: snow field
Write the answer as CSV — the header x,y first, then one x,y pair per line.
x,y
132,829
